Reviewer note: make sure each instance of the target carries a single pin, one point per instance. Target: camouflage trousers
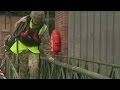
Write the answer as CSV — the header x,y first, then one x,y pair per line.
x,y
29,65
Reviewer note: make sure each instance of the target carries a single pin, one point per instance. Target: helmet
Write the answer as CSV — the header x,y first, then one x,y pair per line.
x,y
37,17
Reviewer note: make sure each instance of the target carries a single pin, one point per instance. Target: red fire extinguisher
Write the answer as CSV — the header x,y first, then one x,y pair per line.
x,y
55,42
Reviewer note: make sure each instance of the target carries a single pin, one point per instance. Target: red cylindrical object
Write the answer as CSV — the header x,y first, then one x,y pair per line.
x,y
55,42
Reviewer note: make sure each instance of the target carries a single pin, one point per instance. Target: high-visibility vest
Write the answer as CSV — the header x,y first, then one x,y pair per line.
x,y
20,47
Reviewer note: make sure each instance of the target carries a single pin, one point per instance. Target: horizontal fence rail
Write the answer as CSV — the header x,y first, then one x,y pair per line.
x,y
58,70
55,69
113,69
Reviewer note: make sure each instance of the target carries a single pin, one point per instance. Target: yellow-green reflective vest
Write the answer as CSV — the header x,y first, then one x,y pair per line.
x,y
20,47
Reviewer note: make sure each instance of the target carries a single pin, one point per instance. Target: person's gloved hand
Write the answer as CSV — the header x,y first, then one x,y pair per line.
x,y
23,19
51,58
8,41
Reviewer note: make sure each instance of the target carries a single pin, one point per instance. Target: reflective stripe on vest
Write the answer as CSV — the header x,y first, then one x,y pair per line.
x,y
22,47
30,25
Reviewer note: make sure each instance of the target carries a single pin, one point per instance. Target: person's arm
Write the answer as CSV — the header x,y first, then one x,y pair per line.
x,y
23,19
46,45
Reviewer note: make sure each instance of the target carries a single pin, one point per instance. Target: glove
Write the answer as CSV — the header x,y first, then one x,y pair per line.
x,y
23,19
51,58
8,42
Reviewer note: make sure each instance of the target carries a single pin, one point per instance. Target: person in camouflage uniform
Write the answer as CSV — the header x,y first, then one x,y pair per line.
x,y
29,56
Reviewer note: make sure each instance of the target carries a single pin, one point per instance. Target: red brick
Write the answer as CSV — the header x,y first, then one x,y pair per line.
x,y
61,22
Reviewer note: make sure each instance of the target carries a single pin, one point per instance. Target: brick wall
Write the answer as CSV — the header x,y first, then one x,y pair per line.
x,y
61,23
6,27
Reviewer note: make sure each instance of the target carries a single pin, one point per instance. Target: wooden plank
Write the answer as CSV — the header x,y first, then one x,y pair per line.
x,y
103,40
2,22
96,38
83,36
7,24
116,37
70,33
77,34
76,37
2,26
90,39
109,40
73,35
